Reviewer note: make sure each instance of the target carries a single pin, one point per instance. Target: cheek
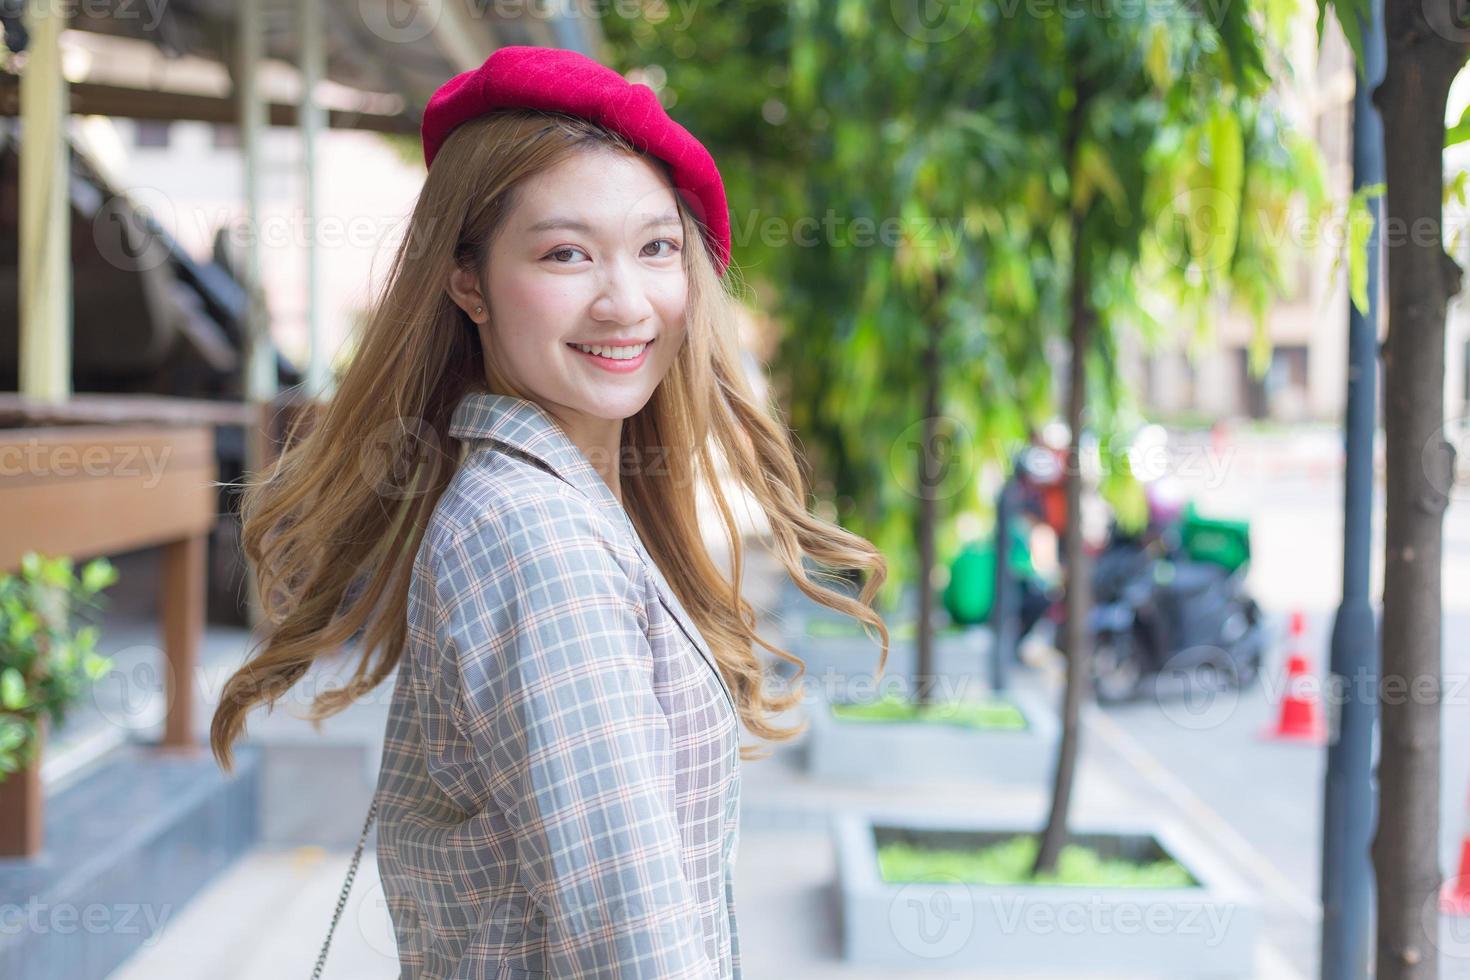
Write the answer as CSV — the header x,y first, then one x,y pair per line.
x,y
537,300
670,300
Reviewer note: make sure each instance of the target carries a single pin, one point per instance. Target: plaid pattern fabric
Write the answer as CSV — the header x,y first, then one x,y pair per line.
x,y
560,784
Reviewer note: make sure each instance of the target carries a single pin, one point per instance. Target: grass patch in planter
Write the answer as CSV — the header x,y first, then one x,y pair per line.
x,y
828,628
1009,863
993,714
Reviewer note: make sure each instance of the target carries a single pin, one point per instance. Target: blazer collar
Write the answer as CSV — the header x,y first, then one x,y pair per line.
x,y
526,428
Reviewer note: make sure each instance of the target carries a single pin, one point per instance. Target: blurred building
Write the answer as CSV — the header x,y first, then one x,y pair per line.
x,y
1307,376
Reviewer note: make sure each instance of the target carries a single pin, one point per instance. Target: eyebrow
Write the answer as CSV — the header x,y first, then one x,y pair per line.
x,y
572,224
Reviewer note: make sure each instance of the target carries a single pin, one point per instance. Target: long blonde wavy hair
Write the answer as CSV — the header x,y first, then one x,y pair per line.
x,y
331,543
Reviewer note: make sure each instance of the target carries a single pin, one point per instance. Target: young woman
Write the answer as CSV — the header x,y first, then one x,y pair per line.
x,y
548,376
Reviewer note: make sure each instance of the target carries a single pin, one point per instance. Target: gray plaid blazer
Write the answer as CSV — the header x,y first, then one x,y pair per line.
x,y
560,785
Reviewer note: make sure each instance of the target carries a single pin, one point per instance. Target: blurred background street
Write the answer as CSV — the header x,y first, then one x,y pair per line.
x,y
1003,273
1198,758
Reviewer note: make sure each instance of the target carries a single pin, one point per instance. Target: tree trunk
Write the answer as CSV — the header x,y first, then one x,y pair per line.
x,y
1421,62
931,470
1078,599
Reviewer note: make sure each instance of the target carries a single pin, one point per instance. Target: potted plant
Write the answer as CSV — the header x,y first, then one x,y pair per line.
x,y
47,662
923,891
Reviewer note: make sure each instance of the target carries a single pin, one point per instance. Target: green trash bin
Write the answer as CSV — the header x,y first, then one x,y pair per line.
x,y
971,589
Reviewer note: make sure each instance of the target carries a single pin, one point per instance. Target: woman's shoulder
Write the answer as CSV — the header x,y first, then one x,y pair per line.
x,y
500,507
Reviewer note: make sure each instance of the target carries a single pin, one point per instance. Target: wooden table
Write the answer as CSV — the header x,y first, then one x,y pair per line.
x,y
90,490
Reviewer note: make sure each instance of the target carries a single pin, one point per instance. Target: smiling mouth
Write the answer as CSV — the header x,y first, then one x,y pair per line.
x,y
626,352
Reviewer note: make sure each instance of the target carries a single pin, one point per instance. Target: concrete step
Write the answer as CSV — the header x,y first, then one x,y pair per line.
x,y
125,847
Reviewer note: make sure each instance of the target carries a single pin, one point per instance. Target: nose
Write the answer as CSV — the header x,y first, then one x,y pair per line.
x,y
622,295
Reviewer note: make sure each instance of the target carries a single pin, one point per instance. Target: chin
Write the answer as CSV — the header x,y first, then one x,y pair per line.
x,y
613,406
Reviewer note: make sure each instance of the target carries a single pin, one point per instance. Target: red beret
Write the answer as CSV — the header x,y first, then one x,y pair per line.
x,y
565,81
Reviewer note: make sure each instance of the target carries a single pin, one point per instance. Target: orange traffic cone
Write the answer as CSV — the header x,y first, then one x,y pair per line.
x,y
1454,897
1301,715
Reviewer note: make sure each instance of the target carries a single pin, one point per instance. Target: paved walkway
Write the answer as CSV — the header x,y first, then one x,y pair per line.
x,y
266,917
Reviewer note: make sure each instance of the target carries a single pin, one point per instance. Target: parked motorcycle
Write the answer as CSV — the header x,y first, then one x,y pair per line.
x,y
1170,597
1174,600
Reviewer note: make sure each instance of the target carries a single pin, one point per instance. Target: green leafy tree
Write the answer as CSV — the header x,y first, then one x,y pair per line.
x,y
1163,164
1053,178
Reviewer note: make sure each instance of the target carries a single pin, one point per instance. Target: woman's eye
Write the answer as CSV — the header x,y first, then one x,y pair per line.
x,y
673,246
562,251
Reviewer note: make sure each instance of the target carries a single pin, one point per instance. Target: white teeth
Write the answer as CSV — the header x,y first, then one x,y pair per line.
x,y
615,353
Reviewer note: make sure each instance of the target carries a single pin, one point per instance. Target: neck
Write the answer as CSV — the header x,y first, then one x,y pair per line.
x,y
600,441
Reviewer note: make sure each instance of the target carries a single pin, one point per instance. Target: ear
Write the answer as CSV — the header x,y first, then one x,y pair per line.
x,y
464,289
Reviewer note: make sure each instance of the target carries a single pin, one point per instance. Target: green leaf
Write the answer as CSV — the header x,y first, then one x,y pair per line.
x,y
57,572
13,690
853,18
1221,208
1459,132
23,626
98,575
1260,350
1156,60
12,735
96,667
1358,235
1360,227
1095,172
86,638
1280,17
63,655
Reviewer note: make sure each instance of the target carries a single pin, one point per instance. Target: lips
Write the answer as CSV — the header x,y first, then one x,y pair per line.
x,y
618,366
613,344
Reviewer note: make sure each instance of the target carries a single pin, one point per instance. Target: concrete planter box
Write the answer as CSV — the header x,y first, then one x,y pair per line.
x,y
841,661
930,751
844,665
1206,930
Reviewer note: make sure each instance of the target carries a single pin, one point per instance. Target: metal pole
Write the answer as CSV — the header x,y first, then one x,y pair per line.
x,y
44,262
261,380
1004,611
1349,798
318,372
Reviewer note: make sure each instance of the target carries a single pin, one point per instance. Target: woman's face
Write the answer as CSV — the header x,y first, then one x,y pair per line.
x,y
591,255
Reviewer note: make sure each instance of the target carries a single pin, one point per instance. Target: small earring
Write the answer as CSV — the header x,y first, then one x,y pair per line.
x,y
479,309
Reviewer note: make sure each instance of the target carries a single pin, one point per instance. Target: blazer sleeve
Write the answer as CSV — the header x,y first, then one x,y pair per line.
x,y
553,687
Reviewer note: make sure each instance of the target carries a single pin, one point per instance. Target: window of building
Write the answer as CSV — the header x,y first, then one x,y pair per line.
x,y
1284,385
1465,385
151,132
